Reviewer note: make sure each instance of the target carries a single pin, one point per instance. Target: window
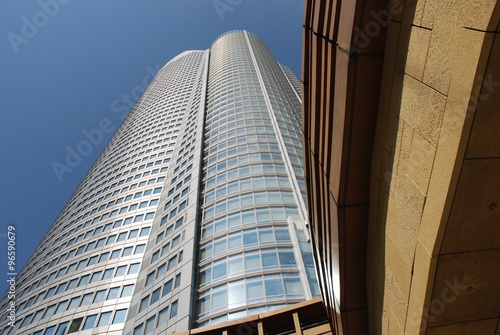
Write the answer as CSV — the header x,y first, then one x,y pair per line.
x,y
149,278
38,316
127,251
177,280
162,317
155,296
144,304
138,330
89,322
95,276
167,287
73,303
86,299
84,280
127,291
49,311
99,296
139,249
60,308
150,324
75,325
108,273
121,237
120,271
120,316
134,268
115,254
113,293
104,319
173,312
62,328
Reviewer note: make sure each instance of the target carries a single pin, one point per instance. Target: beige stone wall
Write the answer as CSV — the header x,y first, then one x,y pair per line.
x,y
434,233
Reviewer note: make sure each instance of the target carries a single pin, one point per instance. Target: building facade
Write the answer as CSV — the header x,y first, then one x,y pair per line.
x,y
402,159
193,214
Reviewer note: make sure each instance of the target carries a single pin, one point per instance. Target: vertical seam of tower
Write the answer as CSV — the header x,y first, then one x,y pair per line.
x,y
291,85
198,221
295,186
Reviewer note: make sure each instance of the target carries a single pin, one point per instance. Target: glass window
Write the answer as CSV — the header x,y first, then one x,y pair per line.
x,y
149,278
139,249
50,310
108,273
115,254
103,257
50,292
177,280
113,293
127,291
219,270
145,231
99,296
218,299
235,265
104,319
172,262
95,276
255,290
266,236
120,316
121,237
282,235
120,271
127,251
49,331
274,287
162,317
155,296
269,259
73,303
150,324
287,258
133,233
134,268
84,280
61,307
75,325
62,328
60,288
138,330
167,287
89,322
252,262
173,311
86,299
236,294
38,316
144,304
292,286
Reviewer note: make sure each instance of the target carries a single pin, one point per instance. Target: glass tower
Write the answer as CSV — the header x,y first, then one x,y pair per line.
x,y
193,214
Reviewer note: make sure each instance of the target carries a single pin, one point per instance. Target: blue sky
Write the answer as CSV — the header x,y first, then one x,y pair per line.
x,y
64,63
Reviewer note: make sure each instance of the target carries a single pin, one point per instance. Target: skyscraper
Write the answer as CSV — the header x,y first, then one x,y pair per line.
x,y
193,214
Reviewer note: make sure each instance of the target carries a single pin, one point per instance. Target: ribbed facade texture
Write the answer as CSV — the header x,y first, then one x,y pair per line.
x,y
193,214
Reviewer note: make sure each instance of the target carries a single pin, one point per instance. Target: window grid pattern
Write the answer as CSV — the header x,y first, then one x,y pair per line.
x,y
106,223
247,244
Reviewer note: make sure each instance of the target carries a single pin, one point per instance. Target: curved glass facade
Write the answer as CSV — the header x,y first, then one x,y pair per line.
x,y
193,213
253,211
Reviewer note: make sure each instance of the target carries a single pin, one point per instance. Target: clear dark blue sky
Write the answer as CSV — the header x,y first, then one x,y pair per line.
x,y
63,66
